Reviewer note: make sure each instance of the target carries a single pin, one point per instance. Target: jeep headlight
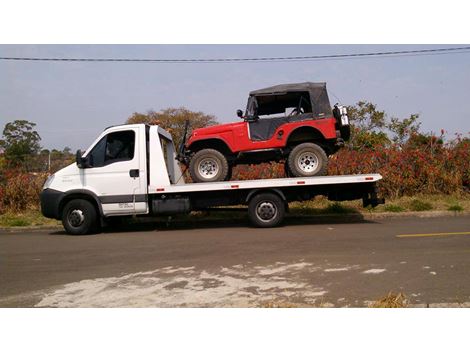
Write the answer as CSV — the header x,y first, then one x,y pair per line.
x,y
48,181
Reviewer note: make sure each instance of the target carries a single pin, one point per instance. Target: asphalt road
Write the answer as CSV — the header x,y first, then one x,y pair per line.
x,y
306,264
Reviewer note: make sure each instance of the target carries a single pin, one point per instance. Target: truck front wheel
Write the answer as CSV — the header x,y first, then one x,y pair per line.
x,y
79,217
266,210
307,159
208,165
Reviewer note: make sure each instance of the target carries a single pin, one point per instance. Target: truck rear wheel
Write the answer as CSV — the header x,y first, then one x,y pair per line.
x,y
266,210
79,217
208,165
307,159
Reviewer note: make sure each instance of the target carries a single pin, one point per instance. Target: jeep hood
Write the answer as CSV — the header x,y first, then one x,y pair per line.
x,y
215,129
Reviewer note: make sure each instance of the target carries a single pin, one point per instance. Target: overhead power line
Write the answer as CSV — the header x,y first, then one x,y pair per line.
x,y
465,49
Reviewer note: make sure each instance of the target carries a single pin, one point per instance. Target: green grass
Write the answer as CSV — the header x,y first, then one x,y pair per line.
x,y
393,208
419,205
25,218
318,206
337,208
455,207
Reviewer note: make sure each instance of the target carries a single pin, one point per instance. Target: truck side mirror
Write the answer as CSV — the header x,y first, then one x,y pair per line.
x,y
81,162
240,113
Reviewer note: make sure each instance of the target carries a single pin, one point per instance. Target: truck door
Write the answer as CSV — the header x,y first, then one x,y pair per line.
x,y
114,172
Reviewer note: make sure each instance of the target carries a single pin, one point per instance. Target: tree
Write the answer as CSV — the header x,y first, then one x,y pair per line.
x,y
368,126
20,142
404,129
173,120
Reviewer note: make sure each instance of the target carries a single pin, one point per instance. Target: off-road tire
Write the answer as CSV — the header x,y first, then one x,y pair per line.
x,y
303,154
79,217
229,174
266,210
208,156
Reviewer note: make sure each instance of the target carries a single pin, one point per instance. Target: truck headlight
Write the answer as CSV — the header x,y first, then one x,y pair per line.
x,y
48,182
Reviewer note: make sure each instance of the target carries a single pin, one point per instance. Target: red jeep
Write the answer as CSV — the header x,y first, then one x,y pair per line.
x,y
292,122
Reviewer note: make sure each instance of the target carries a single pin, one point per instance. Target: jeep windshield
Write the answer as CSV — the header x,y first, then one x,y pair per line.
x,y
300,98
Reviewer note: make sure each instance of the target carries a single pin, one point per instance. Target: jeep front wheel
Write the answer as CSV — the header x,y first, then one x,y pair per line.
x,y
307,159
208,165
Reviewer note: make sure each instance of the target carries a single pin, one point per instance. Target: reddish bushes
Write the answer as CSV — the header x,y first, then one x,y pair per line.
x,y
428,168
20,191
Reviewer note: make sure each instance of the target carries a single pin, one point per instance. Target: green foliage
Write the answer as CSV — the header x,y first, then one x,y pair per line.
x,y
364,139
337,208
365,116
173,120
403,129
455,207
393,208
419,205
20,142
371,128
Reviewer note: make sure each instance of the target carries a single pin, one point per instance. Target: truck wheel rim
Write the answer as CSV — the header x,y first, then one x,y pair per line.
x,y
208,168
76,217
266,211
308,162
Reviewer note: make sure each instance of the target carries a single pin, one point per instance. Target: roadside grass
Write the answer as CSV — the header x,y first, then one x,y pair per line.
x,y
319,206
455,208
419,205
391,300
392,208
26,218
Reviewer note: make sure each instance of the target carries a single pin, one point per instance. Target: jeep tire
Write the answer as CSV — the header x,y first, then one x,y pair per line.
x,y
208,165
79,217
306,160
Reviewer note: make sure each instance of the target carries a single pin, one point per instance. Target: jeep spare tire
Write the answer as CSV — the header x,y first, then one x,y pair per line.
x,y
208,165
307,159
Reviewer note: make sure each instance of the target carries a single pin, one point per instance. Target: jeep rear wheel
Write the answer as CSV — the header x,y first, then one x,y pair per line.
x,y
307,159
208,165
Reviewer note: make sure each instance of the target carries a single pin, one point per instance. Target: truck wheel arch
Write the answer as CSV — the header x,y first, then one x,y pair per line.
x,y
254,192
81,194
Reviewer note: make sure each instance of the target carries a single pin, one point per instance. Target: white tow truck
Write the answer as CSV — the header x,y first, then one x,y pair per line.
x,y
131,170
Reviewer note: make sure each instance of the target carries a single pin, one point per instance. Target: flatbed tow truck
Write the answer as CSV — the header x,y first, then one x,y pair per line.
x,y
131,170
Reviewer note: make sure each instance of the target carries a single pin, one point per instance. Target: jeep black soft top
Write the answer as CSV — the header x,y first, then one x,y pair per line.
x,y
308,97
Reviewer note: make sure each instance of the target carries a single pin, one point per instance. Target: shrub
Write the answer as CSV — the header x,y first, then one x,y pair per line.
x,y
393,208
21,190
337,208
418,205
455,207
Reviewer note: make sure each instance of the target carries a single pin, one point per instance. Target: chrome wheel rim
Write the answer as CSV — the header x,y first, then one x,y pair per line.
x,y
308,162
76,218
266,211
208,168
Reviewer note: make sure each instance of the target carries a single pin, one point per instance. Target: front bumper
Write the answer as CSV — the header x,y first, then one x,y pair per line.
x,y
50,202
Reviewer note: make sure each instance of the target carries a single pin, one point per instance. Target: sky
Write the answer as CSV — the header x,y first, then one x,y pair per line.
x,y
71,103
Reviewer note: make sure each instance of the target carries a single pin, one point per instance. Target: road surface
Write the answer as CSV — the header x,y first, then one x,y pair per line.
x,y
233,265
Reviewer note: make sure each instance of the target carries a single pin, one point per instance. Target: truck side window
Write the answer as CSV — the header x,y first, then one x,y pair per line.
x,y
112,148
